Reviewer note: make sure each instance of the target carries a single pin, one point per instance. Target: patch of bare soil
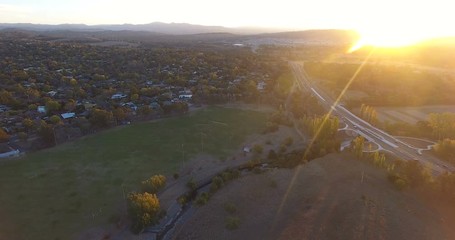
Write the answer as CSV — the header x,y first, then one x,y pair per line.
x,y
204,165
334,197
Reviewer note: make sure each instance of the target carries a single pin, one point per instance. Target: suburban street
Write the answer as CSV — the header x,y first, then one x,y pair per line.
x,y
385,141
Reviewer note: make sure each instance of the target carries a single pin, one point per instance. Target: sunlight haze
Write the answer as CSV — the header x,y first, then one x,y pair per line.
x,y
386,23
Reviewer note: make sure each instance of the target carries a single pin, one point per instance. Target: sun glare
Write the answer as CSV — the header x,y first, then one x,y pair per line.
x,y
389,39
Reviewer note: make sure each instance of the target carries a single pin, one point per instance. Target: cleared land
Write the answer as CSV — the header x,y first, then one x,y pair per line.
x,y
56,193
410,114
328,200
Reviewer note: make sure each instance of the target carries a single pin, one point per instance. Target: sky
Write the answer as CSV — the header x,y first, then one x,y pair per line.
x,y
375,16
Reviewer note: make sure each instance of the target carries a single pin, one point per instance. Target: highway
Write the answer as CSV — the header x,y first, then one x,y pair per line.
x,y
385,141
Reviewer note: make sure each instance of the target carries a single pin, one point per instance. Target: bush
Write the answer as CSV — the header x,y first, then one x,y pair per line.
x,y
154,184
257,148
232,223
230,208
397,181
202,199
191,184
176,176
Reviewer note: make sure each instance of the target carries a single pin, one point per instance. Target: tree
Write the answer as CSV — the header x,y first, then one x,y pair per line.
x,y
257,148
144,209
358,145
70,105
134,97
119,114
28,124
46,132
100,118
443,125
154,184
144,110
55,119
4,137
52,106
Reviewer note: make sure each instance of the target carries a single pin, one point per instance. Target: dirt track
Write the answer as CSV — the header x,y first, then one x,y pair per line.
x,y
328,200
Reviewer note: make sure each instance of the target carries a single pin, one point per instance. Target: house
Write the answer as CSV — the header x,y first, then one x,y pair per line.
x,y
130,105
41,109
4,108
68,115
119,96
185,94
261,86
51,93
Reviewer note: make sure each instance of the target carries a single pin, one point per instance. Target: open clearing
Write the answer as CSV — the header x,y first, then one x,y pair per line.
x,y
410,114
58,192
328,200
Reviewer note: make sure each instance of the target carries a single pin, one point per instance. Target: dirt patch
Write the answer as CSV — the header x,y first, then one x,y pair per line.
x,y
334,197
204,165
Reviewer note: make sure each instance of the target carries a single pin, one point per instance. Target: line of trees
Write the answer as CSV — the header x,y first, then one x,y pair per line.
x,y
324,130
369,114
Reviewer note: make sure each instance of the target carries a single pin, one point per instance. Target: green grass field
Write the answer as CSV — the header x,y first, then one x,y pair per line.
x,y
58,192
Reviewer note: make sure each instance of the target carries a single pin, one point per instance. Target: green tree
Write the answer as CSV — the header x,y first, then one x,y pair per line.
x,y
144,110
358,145
134,97
55,119
144,209
28,124
52,106
46,132
119,114
100,118
443,125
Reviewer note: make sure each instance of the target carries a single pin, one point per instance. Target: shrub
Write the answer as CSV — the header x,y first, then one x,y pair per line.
x,y
176,176
154,184
230,208
257,148
191,184
232,223
202,199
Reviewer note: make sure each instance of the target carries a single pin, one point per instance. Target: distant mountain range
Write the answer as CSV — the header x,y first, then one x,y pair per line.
x,y
156,27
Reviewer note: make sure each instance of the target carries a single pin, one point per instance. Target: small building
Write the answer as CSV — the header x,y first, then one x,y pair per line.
x,y
119,96
261,86
51,93
68,115
185,96
41,109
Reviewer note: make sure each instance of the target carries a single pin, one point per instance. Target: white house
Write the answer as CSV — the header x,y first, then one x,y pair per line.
x,y
68,115
118,96
41,109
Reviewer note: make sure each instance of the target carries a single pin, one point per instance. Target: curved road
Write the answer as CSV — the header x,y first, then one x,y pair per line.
x,y
386,141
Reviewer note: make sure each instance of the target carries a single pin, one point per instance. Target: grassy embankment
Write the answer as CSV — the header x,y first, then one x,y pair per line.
x,y
56,193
